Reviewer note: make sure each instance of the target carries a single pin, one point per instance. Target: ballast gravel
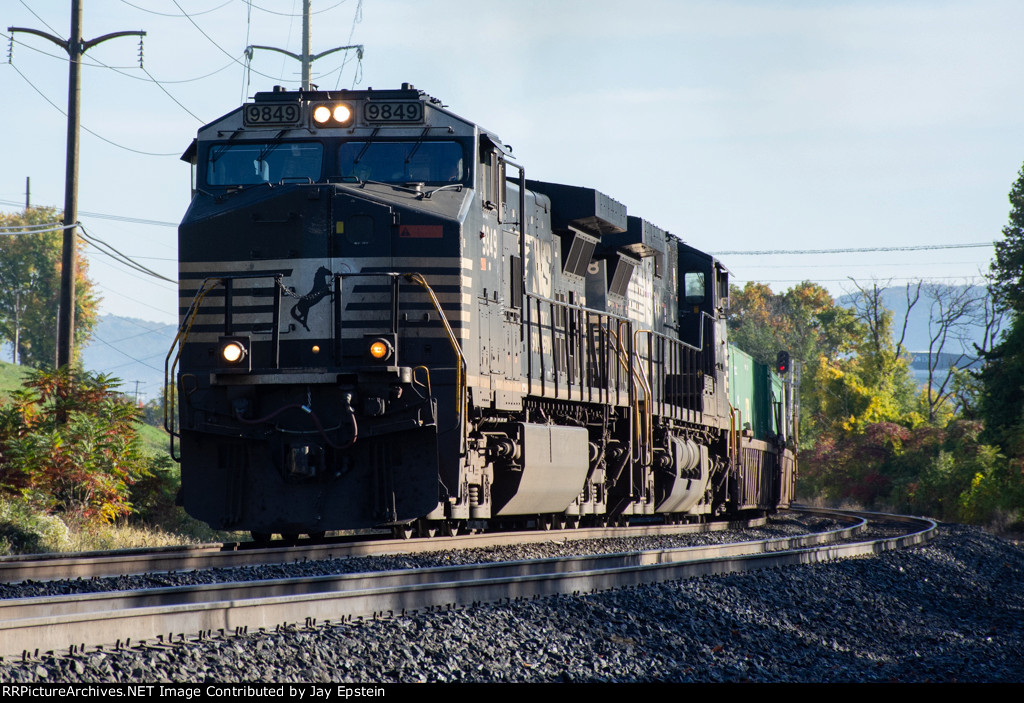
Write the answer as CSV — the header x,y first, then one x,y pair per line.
x,y
949,611
778,527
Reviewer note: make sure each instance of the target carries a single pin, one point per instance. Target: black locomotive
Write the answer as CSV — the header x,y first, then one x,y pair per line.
x,y
384,323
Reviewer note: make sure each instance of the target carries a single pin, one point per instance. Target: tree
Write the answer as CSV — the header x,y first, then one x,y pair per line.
x,y
1008,266
30,264
1001,401
954,312
843,385
804,321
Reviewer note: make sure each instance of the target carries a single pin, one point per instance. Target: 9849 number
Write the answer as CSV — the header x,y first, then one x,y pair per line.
x,y
393,112
284,114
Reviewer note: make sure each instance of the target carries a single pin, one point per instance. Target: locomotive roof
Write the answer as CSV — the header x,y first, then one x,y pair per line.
x,y
280,95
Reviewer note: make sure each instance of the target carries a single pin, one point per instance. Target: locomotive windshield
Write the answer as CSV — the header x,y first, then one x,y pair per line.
x,y
249,163
402,162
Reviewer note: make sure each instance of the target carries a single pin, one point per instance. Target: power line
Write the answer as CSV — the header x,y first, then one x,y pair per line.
x,y
134,298
35,229
165,14
919,247
124,218
176,101
95,63
222,49
98,136
133,359
162,325
847,279
118,256
357,17
102,216
25,4
293,14
165,80
874,265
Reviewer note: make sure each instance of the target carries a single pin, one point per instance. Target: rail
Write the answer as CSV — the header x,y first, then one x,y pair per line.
x,y
55,623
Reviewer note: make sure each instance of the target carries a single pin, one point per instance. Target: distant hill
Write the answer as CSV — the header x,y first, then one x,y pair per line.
x,y
895,299
133,350
127,348
917,337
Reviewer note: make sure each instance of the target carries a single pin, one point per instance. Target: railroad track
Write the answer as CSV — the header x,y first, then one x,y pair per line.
x,y
14,569
164,615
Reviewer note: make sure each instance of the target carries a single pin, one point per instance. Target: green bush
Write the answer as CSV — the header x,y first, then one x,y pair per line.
x,y
68,443
944,472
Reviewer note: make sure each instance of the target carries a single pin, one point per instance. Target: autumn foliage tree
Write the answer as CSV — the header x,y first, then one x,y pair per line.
x,y
867,434
844,381
83,467
30,264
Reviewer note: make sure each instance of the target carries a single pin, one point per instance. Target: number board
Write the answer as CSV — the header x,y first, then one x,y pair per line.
x,y
393,111
280,114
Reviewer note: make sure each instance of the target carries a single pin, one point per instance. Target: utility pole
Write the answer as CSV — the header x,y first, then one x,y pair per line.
x,y
28,192
75,47
306,58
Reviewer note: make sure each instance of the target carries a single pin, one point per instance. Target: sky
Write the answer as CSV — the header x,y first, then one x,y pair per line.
x,y
739,125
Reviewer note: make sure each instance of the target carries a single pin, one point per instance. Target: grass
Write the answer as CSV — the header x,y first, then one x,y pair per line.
x,y
154,439
24,530
11,377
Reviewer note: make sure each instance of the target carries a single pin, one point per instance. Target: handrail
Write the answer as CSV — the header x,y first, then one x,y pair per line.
x,y
460,370
184,329
643,424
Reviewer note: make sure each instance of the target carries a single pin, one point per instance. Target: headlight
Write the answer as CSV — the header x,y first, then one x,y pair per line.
x,y
321,114
232,352
342,114
380,349
333,114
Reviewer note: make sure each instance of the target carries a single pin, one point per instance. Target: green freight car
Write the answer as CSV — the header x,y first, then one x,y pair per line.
x,y
764,422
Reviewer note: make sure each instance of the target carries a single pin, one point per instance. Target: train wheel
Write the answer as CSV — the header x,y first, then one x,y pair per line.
x,y
450,528
316,536
260,537
426,528
545,523
290,538
403,531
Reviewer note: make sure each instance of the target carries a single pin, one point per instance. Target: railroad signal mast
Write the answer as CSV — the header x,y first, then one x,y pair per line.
x,y
790,401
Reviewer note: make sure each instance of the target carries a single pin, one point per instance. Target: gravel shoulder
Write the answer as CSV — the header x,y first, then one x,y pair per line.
x,y
949,611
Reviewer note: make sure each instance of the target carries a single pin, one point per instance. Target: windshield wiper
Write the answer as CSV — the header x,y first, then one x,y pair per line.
x,y
366,146
416,146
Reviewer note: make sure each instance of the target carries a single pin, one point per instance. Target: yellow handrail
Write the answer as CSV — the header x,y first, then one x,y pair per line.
x,y
184,329
460,377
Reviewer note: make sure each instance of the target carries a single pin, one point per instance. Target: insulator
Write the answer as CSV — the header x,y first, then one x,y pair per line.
x,y
474,494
